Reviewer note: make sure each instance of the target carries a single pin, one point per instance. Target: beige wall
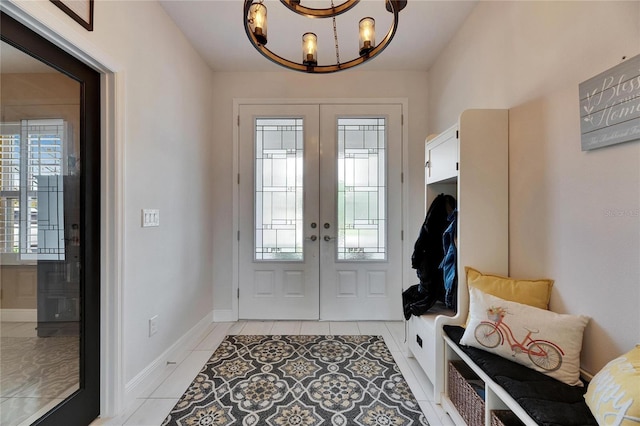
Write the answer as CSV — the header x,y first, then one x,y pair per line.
x,y
292,85
41,95
18,284
574,216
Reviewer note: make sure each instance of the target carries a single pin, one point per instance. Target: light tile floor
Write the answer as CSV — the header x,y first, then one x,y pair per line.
x,y
25,392
157,401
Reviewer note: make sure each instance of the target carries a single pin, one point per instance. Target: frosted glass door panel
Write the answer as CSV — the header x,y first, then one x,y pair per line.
x,y
279,189
361,189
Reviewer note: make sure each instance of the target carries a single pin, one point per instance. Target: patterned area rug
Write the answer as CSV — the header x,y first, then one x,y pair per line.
x,y
299,380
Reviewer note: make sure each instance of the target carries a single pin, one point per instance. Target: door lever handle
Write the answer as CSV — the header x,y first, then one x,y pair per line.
x,y
312,238
328,238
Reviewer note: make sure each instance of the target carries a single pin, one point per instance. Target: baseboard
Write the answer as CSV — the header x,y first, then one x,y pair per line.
x,y
18,315
134,388
223,315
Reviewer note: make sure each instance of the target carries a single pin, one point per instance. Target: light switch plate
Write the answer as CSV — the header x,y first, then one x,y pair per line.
x,y
153,325
150,217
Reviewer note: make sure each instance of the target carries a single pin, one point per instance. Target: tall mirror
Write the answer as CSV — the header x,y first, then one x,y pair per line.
x,y
40,241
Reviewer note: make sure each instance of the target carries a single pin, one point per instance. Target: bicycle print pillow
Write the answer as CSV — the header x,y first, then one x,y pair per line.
x,y
542,340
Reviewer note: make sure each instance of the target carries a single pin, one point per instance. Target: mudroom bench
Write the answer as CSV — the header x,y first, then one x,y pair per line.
x,y
469,161
482,388
477,387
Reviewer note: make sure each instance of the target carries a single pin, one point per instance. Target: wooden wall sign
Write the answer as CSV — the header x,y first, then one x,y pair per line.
x,y
610,106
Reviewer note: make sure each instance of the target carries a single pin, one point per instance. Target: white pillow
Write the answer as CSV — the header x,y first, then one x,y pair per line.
x,y
543,340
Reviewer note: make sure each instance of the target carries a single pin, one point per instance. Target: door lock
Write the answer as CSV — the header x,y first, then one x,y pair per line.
x,y
327,226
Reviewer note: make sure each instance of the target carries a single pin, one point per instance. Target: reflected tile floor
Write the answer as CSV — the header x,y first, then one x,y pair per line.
x,y
157,401
35,373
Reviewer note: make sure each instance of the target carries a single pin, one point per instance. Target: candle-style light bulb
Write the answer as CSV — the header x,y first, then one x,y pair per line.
x,y
367,31
258,22
309,49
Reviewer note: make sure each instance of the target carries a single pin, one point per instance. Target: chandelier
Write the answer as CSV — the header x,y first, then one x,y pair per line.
x,y
255,25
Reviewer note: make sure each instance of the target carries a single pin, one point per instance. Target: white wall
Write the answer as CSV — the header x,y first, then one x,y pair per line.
x,y
167,149
294,85
574,216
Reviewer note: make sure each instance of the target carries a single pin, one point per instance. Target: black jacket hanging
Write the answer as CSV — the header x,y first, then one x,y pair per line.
x,y
427,256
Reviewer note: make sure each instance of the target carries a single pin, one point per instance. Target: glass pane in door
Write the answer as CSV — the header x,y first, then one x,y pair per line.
x,y
361,206
279,150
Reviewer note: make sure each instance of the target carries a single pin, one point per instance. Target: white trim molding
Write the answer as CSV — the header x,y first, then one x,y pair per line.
x,y
112,237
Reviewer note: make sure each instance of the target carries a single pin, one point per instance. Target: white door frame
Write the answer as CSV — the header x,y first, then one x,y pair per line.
x,y
404,102
34,15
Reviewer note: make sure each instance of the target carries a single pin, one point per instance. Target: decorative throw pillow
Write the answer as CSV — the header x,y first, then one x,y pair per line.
x,y
530,292
543,340
613,396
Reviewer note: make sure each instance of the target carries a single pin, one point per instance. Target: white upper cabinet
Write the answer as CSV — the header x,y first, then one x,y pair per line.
x,y
441,156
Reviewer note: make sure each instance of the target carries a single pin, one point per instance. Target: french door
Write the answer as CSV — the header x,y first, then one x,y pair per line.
x,y
320,211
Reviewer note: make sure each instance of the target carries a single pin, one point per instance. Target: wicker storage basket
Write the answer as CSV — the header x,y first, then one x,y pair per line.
x,y
462,394
504,418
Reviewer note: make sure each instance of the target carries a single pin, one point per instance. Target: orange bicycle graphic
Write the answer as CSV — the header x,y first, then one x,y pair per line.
x,y
544,354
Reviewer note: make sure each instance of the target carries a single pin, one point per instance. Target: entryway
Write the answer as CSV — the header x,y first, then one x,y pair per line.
x,y
320,211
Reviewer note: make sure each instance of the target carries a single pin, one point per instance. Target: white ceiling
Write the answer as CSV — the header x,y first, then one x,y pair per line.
x,y
215,28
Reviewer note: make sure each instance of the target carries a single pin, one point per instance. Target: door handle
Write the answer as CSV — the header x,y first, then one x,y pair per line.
x,y
312,238
328,238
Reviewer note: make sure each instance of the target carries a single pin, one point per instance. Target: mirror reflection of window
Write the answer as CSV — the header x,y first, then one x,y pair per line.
x,y
39,237
31,169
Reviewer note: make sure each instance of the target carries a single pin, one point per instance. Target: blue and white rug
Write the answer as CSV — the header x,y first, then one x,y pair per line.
x,y
299,380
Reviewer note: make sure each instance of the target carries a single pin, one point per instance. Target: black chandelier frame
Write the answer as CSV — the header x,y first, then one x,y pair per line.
x,y
393,6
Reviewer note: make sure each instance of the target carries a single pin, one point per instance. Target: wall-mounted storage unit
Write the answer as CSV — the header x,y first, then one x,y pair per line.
x,y
469,161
